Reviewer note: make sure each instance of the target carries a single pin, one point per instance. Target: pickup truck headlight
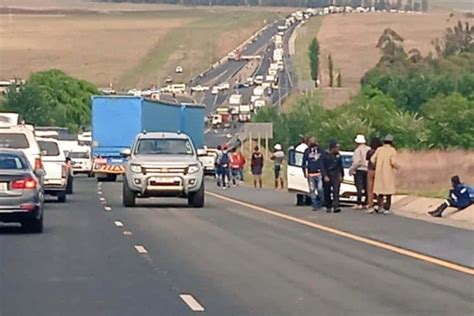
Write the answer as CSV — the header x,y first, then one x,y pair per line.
x,y
136,168
193,169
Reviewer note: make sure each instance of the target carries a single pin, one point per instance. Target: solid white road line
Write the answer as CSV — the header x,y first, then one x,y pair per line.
x,y
140,249
118,223
192,303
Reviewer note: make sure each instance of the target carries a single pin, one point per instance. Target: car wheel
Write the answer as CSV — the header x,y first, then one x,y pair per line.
x,y
70,186
62,197
128,196
196,199
299,200
34,225
111,177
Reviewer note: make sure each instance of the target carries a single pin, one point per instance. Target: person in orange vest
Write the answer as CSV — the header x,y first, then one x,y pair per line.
x,y
237,163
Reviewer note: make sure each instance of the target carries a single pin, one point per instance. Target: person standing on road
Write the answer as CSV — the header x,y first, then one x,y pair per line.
x,y
237,162
278,157
312,170
358,169
256,164
385,160
375,143
218,165
224,165
333,173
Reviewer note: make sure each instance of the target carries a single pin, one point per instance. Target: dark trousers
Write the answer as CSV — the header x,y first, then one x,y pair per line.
x,y
387,204
331,191
225,176
360,179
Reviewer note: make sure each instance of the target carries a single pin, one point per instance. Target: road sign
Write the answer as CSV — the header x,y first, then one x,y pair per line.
x,y
258,130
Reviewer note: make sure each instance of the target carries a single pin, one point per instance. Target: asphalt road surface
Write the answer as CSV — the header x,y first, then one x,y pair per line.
x,y
163,258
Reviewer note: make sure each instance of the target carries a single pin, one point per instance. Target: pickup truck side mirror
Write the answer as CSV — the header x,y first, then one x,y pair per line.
x,y
44,153
40,173
201,152
126,152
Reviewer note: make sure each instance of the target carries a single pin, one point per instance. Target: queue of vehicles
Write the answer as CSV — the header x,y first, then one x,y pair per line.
x,y
33,164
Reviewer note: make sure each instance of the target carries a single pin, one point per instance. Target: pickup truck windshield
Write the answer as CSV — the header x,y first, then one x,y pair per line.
x,y
164,147
51,148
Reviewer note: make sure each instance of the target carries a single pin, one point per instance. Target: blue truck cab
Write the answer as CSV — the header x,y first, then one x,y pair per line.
x,y
116,120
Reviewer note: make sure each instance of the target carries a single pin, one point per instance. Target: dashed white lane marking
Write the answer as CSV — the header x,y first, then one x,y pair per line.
x,y
107,208
99,192
102,199
192,303
127,233
118,223
140,249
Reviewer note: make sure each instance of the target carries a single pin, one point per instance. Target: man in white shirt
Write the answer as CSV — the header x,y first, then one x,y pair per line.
x,y
358,169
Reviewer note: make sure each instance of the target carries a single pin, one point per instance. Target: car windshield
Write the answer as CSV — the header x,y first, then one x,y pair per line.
x,y
14,140
346,161
49,148
161,146
12,162
79,155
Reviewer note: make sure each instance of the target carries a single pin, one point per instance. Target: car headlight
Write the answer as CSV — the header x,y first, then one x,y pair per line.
x,y
193,169
136,168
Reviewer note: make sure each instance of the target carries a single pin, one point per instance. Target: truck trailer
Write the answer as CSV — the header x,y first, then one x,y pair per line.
x,y
116,120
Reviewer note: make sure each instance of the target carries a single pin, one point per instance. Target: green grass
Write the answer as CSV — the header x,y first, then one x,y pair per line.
x,y
193,45
305,35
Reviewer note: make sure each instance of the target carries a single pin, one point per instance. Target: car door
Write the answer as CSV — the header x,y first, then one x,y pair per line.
x,y
54,160
295,176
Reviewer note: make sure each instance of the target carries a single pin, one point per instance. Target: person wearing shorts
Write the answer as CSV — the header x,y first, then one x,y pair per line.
x,y
278,156
256,166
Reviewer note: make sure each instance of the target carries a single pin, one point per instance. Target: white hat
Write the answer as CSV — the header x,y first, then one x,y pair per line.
x,y
277,147
360,139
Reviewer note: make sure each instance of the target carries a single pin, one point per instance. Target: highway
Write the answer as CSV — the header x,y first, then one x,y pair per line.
x,y
248,252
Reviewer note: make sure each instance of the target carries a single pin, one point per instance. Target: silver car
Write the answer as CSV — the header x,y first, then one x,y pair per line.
x,y
21,191
163,165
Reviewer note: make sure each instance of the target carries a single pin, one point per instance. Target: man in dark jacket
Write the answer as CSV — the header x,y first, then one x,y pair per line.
x,y
333,173
312,169
461,196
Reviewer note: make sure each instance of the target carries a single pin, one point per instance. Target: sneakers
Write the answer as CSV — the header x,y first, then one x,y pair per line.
x,y
328,210
370,211
337,210
386,212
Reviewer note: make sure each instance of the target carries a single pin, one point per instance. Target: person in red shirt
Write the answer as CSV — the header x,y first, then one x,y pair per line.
x,y
237,163
257,167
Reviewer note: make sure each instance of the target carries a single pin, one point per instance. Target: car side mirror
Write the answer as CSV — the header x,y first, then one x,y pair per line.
x,y
68,159
44,153
201,152
126,152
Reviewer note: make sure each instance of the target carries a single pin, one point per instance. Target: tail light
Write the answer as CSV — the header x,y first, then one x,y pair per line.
x,y
38,163
24,184
64,171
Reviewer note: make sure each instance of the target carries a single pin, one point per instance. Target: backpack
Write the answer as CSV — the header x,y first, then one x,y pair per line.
x,y
470,190
224,161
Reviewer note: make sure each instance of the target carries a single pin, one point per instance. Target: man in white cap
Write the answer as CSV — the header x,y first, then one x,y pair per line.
x,y
358,169
278,156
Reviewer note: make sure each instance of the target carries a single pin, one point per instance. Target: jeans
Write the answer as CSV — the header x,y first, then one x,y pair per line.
x,y
331,191
360,179
235,173
225,175
315,184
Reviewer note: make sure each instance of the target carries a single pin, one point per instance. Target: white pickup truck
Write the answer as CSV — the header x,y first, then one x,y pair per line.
x,y
54,162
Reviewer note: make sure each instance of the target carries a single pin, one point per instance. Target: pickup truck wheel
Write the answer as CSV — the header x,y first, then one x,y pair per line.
x,y
34,225
128,196
70,185
111,177
300,200
196,199
62,197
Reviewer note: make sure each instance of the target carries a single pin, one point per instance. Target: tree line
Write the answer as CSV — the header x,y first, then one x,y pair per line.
x,y
424,101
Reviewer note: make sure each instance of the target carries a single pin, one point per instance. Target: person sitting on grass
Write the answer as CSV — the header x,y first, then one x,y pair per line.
x,y
460,196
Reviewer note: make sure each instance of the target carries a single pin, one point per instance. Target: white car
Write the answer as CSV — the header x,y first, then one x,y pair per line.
x,y
199,88
21,137
179,69
215,90
54,160
209,162
81,162
298,184
224,86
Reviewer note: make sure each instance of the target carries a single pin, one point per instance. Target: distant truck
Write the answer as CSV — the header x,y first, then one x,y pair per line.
x,y
235,99
116,120
245,114
278,54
